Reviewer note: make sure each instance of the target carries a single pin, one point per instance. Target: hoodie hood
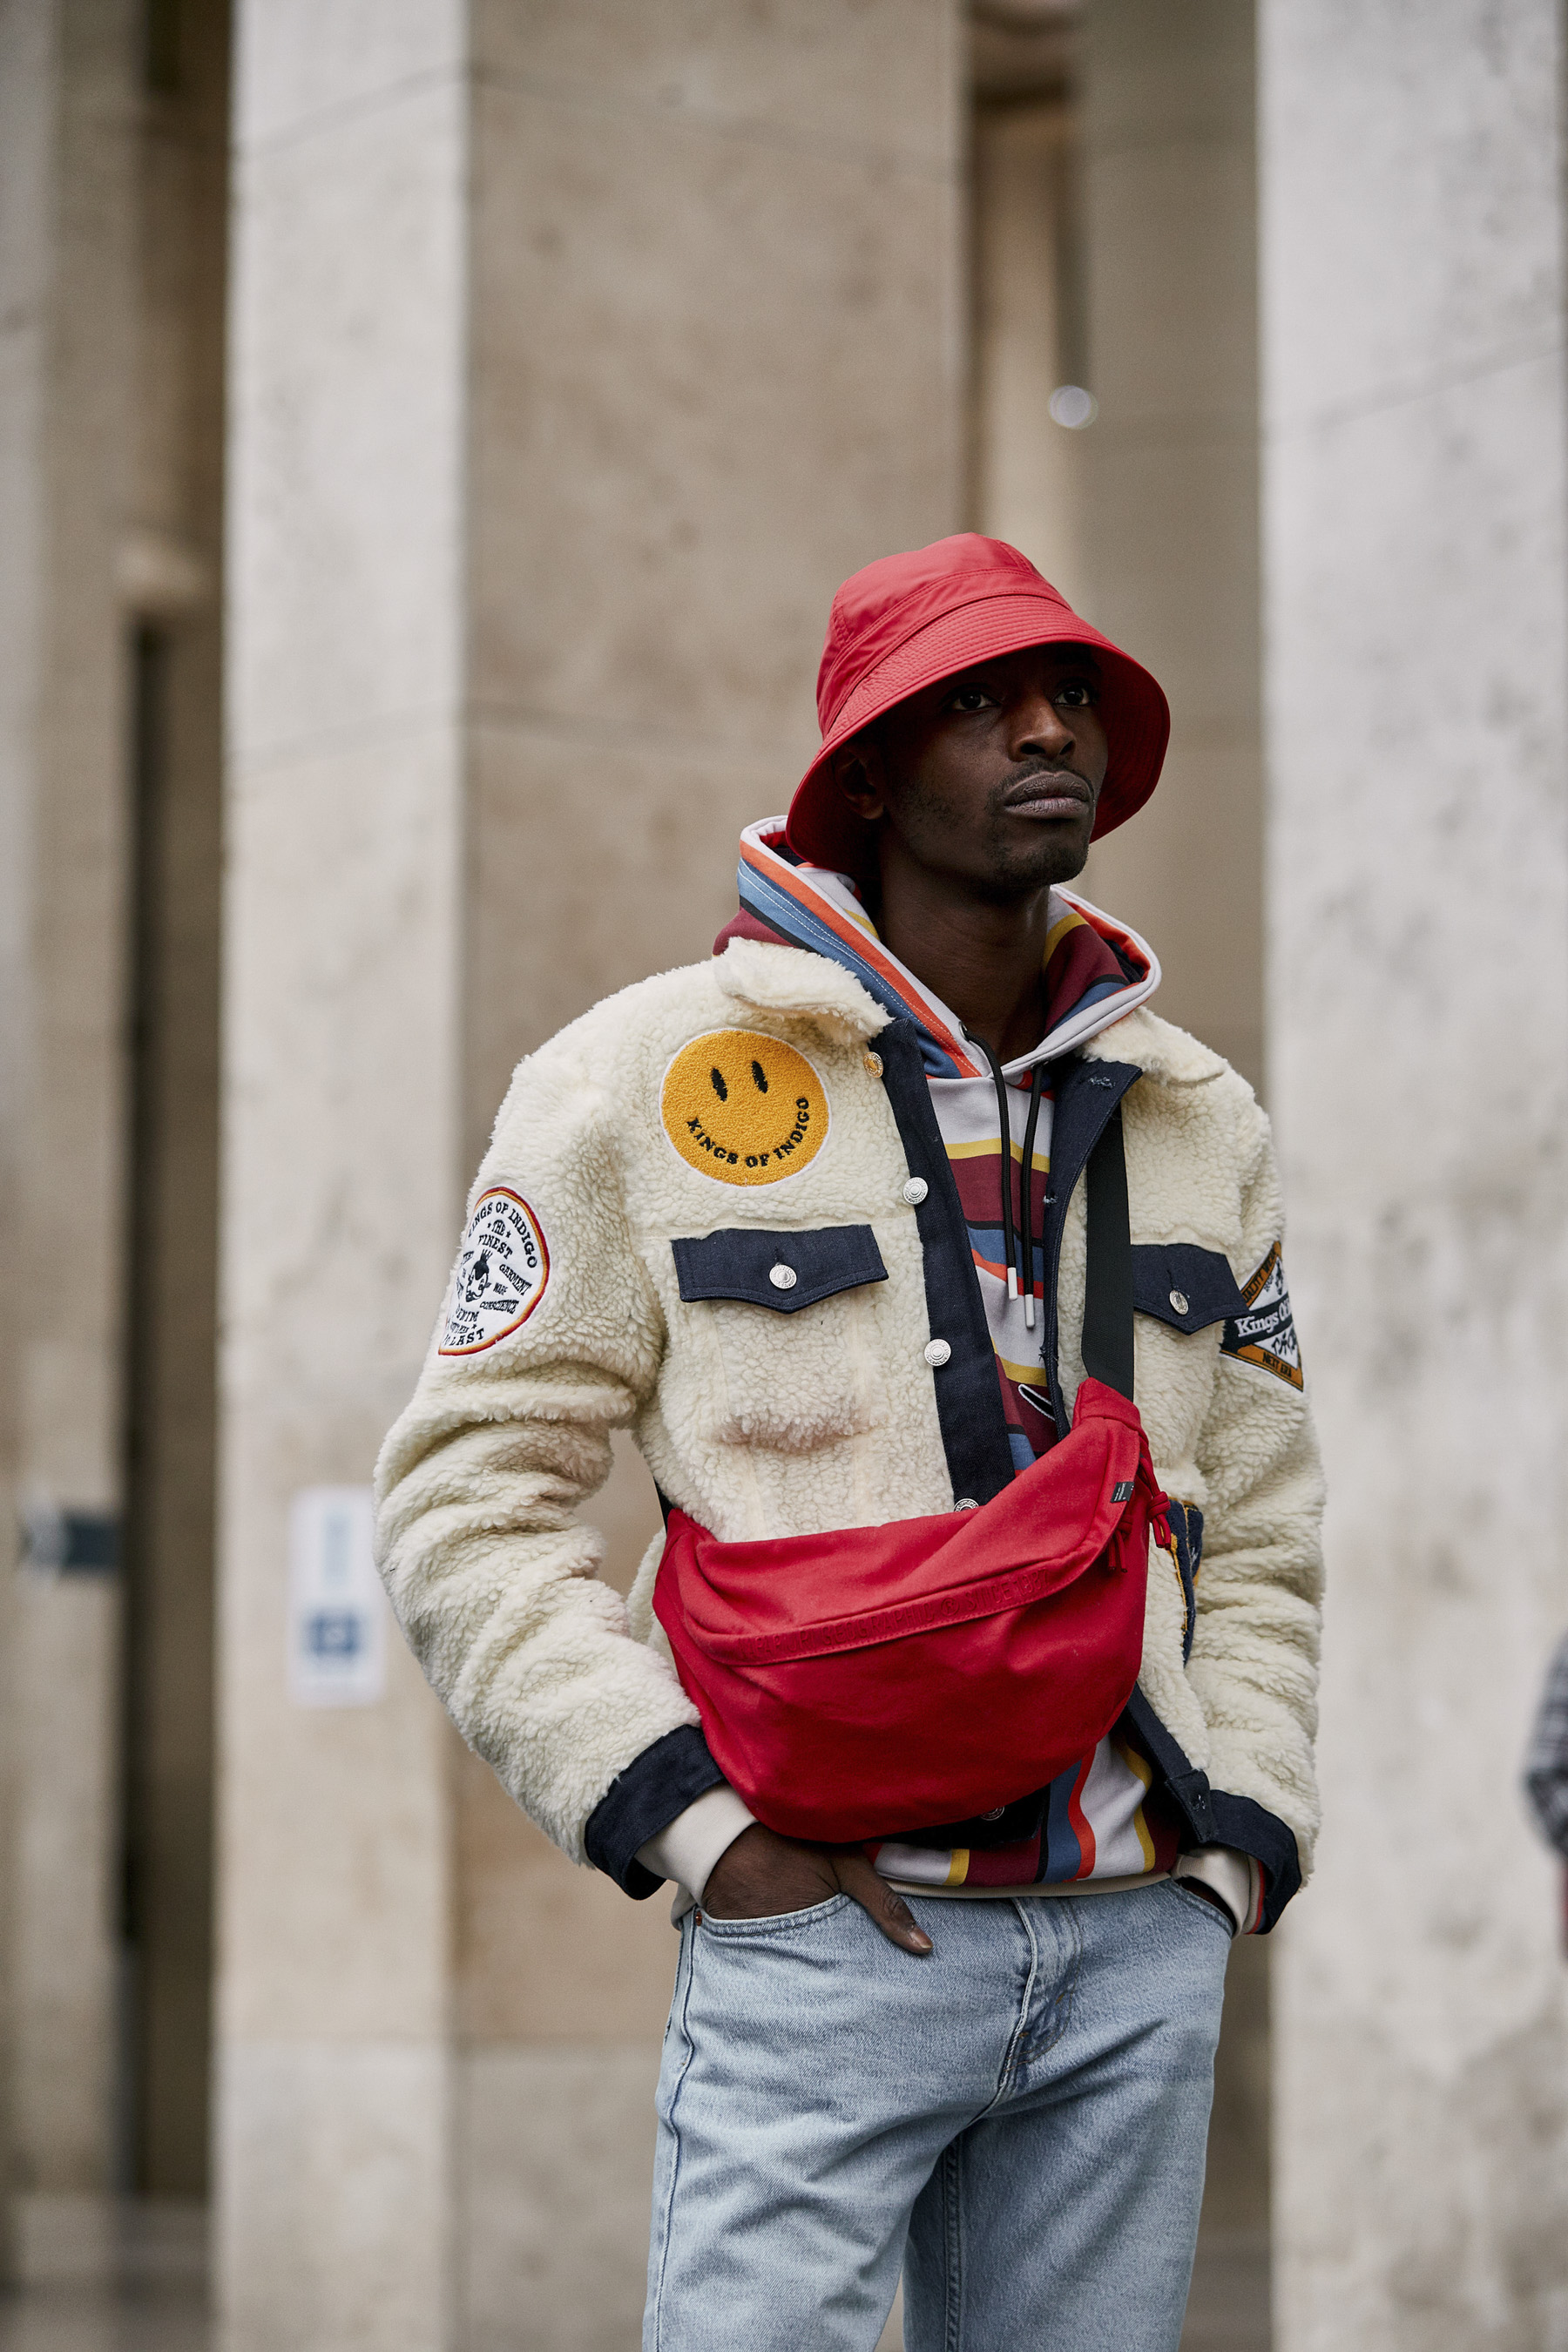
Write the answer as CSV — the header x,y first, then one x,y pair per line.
x,y
1097,970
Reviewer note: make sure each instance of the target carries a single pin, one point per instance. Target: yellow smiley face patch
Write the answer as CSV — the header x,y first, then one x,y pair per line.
x,y
744,1107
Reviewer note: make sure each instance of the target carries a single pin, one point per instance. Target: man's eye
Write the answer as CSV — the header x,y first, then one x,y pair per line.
x,y
971,698
1076,692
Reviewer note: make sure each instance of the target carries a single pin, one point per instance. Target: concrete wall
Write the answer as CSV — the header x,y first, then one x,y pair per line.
x,y
1026,469
112,267
578,352
1169,499
67,151
1418,1005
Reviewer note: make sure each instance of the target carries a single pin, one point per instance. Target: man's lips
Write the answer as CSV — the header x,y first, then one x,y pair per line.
x,y
1056,793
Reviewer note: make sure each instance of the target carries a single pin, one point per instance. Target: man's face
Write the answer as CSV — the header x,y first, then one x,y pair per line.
x,y
992,777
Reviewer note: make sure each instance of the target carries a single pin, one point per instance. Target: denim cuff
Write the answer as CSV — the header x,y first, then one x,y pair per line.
x,y
646,1798
1241,1822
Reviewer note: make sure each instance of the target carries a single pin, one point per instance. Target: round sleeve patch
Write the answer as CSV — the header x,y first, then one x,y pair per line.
x,y
501,1274
743,1106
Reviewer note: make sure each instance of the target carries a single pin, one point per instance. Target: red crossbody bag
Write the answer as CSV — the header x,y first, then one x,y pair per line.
x,y
872,1680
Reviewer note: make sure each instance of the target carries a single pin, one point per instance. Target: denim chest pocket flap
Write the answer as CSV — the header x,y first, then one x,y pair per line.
x,y
1183,1286
785,1271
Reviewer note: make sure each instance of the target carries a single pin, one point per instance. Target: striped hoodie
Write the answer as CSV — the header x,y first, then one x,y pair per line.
x,y
1100,1821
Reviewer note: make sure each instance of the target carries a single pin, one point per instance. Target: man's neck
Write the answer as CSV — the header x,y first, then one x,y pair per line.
x,y
984,961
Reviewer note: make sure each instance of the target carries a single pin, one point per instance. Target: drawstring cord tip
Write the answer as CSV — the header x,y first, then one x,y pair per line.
x,y
1012,1282
1029,1310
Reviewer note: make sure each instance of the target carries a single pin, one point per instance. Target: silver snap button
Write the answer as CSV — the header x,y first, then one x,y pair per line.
x,y
915,1190
782,1278
937,1351
1178,1302
966,1503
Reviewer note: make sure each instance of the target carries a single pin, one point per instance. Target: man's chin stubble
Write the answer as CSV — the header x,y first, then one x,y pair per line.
x,y
1012,877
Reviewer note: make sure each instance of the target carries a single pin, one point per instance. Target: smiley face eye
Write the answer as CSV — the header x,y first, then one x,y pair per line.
x,y
719,1088
761,1075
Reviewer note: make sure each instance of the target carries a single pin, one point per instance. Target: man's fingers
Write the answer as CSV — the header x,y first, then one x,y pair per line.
x,y
875,1897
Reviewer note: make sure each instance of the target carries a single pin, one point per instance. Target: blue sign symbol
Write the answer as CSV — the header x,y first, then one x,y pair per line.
x,y
334,1633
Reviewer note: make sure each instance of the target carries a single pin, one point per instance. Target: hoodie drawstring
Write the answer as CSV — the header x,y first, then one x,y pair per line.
x,y
1027,1186
1000,1083
1020,1261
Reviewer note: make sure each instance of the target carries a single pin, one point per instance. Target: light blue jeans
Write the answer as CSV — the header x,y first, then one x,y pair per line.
x,y
1019,2120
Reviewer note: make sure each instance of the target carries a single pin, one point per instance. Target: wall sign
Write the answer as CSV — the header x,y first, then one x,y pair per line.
x,y
70,1542
337,1609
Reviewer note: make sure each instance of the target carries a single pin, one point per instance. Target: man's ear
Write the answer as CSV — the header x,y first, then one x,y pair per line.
x,y
856,771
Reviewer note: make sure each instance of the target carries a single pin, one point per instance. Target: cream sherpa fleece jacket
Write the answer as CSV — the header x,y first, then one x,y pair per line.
x,y
566,1319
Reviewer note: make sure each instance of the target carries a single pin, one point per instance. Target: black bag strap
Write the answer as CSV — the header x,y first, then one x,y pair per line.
x,y
1108,1295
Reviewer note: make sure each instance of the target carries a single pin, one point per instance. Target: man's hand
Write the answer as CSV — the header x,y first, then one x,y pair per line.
x,y
762,1875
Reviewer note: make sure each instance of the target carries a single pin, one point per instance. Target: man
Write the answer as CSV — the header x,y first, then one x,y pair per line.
x,y
810,1218
1546,1765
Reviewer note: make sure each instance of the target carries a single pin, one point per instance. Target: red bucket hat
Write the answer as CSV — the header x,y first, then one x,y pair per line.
x,y
908,621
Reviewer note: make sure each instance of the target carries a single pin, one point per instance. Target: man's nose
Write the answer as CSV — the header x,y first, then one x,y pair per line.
x,y
1039,726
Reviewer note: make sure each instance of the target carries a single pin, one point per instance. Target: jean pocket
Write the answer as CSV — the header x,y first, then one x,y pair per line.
x,y
774,1923
1218,1912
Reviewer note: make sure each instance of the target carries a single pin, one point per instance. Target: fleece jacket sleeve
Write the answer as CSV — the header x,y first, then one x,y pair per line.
x,y
492,1576
1254,1665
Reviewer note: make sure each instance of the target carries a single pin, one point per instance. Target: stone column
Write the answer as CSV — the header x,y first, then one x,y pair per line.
x,y
577,354
340,1146
67,251
1417,581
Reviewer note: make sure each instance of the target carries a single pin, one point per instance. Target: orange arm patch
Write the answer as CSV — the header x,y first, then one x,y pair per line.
x,y
1265,1334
